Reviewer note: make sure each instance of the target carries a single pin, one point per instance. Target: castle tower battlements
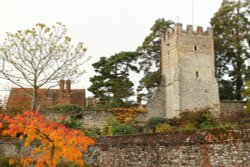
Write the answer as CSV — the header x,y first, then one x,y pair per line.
x,y
178,29
187,67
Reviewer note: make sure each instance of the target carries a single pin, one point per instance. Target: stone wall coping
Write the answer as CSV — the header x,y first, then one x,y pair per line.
x,y
231,101
177,138
214,136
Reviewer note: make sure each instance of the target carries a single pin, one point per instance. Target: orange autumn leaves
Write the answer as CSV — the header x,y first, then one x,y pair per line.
x,y
50,141
125,115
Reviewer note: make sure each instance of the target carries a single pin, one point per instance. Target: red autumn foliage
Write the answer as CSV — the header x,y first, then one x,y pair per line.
x,y
56,142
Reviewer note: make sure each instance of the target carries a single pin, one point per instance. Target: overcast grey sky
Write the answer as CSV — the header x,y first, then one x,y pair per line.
x,y
105,26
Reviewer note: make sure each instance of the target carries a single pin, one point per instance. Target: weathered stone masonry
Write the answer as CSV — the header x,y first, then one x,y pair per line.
x,y
188,80
224,149
202,149
188,68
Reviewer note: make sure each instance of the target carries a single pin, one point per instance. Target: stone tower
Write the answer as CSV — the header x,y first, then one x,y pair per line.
x,y
187,68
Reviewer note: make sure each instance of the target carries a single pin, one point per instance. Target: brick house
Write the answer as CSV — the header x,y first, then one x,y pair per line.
x,y
19,98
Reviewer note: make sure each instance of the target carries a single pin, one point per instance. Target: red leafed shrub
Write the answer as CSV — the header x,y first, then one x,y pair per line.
x,y
55,140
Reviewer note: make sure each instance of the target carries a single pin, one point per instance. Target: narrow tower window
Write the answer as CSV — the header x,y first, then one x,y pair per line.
x,y
197,74
195,48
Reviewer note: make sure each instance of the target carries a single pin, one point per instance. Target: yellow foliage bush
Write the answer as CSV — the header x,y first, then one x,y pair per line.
x,y
188,127
164,128
107,131
246,94
126,115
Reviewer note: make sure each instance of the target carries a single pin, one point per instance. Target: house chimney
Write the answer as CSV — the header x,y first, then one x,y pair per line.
x,y
68,86
138,99
61,86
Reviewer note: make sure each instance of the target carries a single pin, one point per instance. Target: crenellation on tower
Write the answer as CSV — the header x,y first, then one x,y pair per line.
x,y
187,66
190,30
188,82
178,29
199,30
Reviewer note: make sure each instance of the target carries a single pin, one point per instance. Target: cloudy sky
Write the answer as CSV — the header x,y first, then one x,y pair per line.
x,y
105,26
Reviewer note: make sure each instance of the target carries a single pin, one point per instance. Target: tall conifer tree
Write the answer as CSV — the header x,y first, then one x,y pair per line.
x,y
231,25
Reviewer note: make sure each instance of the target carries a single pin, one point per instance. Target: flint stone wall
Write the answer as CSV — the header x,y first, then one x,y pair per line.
x,y
155,105
231,149
10,147
229,106
202,149
95,119
89,119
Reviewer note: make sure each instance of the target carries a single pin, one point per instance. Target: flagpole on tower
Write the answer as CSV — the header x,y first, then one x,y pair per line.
x,y
193,12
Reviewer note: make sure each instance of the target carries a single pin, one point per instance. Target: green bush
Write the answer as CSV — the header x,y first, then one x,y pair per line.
x,y
93,133
4,162
154,121
111,104
72,122
67,109
206,120
73,112
123,129
200,119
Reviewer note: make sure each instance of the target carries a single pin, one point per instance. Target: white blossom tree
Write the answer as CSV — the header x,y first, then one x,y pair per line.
x,y
39,56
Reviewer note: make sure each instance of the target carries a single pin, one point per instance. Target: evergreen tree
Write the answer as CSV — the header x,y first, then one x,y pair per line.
x,y
149,57
231,25
112,84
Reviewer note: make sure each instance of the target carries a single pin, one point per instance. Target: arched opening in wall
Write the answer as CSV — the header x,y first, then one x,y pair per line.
x,y
197,74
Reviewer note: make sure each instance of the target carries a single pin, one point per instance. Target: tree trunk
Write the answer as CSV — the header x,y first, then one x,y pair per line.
x,y
34,102
52,152
239,63
239,86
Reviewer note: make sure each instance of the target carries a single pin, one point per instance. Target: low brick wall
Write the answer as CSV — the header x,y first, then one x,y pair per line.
x,y
202,149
